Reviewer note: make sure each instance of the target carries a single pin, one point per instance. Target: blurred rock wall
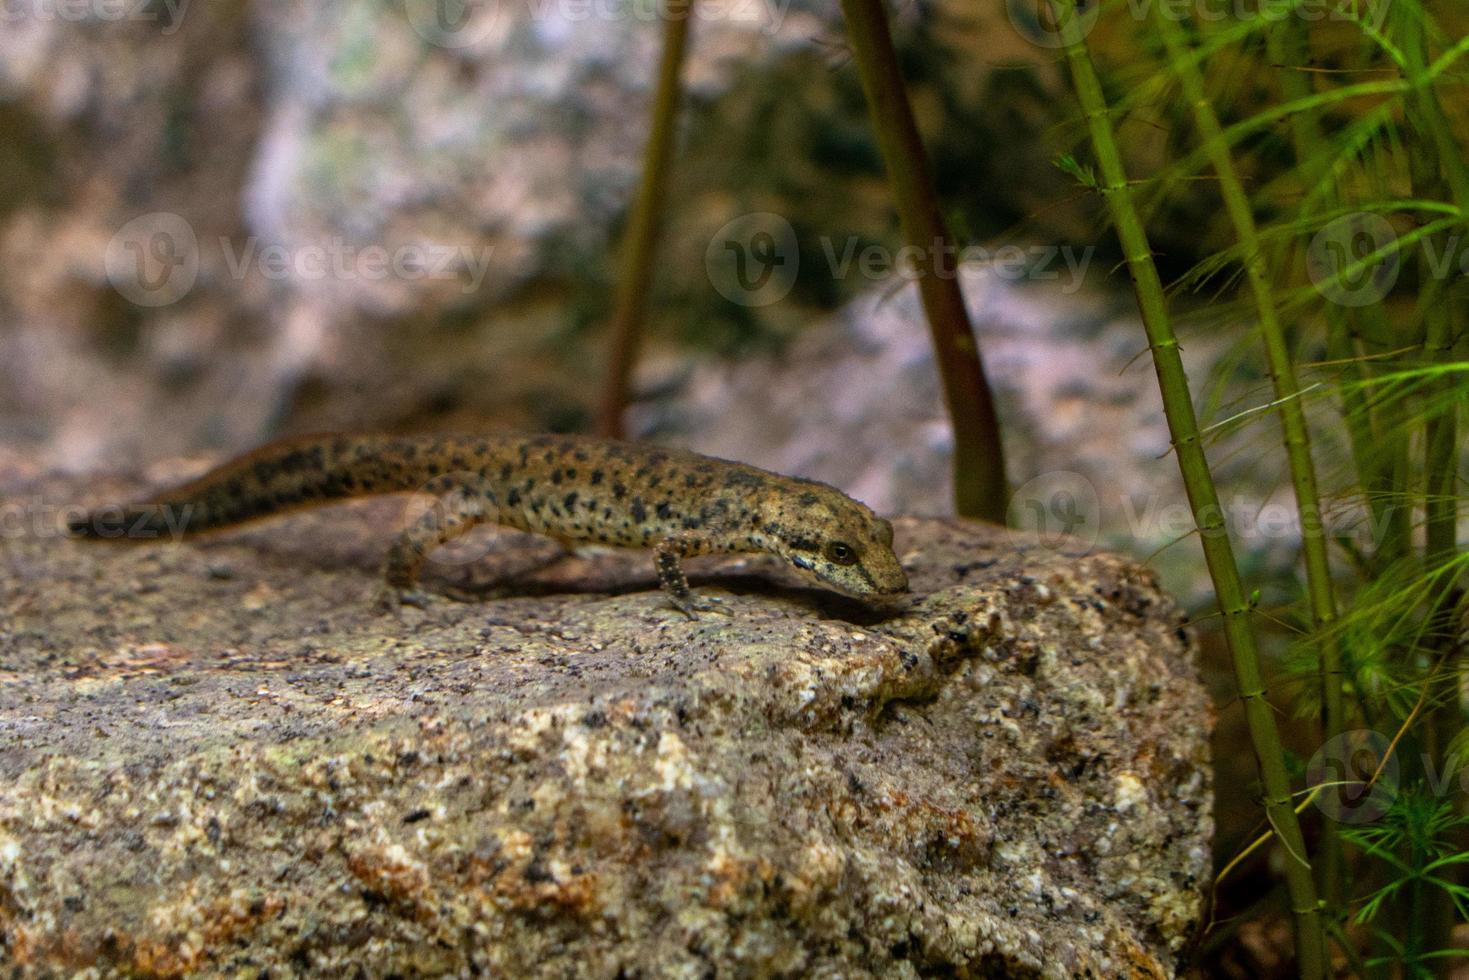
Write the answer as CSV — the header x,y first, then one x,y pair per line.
x,y
223,221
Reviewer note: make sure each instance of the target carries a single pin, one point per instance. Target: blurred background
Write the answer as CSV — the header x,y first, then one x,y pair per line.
x,y
222,223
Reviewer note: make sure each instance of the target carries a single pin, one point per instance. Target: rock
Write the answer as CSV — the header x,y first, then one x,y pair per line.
x,y
215,757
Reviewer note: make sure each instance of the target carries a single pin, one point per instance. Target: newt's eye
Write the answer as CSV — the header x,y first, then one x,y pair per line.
x,y
841,553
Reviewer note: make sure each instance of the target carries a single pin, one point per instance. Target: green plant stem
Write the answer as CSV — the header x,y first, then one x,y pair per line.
x,y
1441,171
1437,169
1198,480
980,489
1320,594
1277,356
630,306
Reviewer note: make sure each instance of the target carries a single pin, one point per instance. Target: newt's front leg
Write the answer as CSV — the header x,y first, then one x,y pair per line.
x,y
667,560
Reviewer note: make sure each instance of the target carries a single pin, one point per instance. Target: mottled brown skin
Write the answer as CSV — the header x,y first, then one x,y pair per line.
x,y
572,488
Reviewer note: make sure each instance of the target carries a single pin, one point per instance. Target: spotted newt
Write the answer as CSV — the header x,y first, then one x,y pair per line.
x,y
573,488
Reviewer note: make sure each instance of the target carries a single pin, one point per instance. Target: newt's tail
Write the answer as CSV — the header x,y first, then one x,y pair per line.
x,y
278,477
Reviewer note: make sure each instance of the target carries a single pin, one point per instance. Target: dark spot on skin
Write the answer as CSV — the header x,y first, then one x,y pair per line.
x,y
618,491
549,457
570,501
556,477
513,498
571,472
581,455
663,510
505,473
639,512
595,478
808,499
743,478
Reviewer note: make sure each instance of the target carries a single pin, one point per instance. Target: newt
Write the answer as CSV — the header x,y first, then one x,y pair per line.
x,y
573,488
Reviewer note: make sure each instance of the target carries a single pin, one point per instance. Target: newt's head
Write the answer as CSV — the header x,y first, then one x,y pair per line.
x,y
843,543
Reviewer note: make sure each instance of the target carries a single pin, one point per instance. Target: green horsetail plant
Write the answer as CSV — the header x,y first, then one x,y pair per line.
x,y
1437,170
1287,390
980,489
630,308
1234,604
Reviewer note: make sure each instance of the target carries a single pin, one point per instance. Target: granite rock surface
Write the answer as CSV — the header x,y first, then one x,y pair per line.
x,y
216,758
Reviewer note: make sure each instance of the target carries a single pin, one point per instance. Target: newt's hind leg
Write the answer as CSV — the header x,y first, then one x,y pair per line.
x,y
456,511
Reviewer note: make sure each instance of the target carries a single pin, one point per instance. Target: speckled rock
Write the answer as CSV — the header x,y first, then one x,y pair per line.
x,y
215,758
